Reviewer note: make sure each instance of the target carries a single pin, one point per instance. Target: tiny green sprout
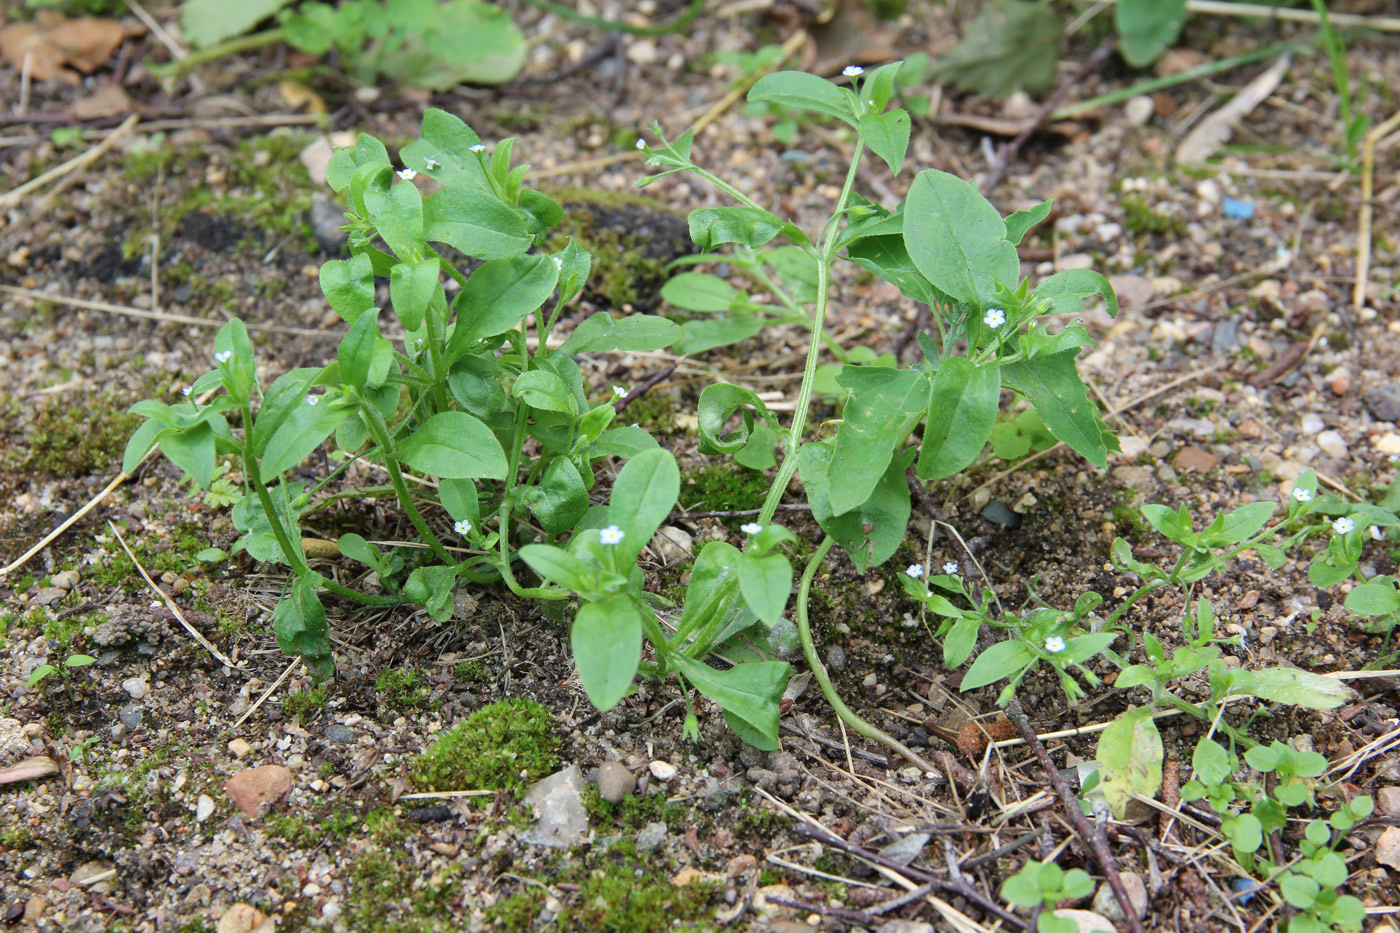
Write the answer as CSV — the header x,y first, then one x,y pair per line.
x,y
1045,884
43,671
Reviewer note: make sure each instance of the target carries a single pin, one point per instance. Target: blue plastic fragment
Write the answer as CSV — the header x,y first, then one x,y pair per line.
x,y
1247,888
1237,209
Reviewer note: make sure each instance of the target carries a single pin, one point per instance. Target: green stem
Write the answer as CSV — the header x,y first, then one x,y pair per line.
x,y
380,433
503,521
809,650
182,66
804,394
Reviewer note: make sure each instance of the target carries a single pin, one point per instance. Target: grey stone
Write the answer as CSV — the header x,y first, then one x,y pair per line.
x,y
1000,514
1106,904
906,849
327,217
1226,336
615,781
558,802
716,800
651,838
14,744
136,687
339,734
836,657
130,715
65,579
1313,423
1383,402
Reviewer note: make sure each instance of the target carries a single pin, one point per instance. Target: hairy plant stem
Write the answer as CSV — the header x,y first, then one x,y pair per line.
x,y
380,433
291,553
809,650
824,257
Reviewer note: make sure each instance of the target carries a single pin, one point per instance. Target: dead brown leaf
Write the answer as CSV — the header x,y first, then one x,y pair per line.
x,y
109,100
28,770
52,42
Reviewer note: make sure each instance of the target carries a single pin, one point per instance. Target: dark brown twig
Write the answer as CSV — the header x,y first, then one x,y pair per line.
x,y
1009,151
647,385
739,513
1096,841
953,886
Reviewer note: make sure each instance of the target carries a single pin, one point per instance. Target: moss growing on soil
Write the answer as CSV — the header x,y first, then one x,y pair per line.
x,y
1139,218
723,487
616,895
304,702
74,436
504,746
632,239
405,689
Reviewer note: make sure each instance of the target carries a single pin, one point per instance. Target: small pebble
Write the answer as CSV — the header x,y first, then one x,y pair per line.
x,y
662,770
1138,110
136,687
615,781
651,838
130,715
203,808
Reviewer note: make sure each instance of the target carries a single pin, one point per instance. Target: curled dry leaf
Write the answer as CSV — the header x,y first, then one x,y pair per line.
x,y
53,43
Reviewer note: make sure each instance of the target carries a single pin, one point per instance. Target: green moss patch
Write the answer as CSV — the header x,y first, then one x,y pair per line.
x,y
504,746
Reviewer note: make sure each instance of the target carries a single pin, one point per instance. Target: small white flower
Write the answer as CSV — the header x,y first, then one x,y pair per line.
x,y
1302,495
408,174
995,317
186,391
950,567
1376,533
312,399
915,570
462,527
752,528
853,71
611,535
478,148
619,391
558,262
1344,526
1054,644
642,145
223,356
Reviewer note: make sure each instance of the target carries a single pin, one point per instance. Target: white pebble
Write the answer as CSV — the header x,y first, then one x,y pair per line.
x,y
203,808
663,770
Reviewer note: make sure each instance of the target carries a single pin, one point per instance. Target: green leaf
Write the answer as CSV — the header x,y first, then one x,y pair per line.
x,y
574,265
607,643
476,223
346,161
872,533
192,450
299,622
412,288
643,495
748,693
711,227
1290,685
888,257
1019,223
432,587
545,391
79,660
766,583
1011,46
957,239
559,566
142,440
357,548
887,135
700,291
444,153
960,640
40,672
1298,890
454,445
700,336
962,410
1379,597
876,422
1211,761
1135,675
356,351
278,403
601,331
802,91
1175,525
1022,889
452,43
1052,384
1147,28
624,442
719,401
1130,758
499,295
1001,660
1238,525
561,498
398,217
348,285
1067,291
206,22
300,433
